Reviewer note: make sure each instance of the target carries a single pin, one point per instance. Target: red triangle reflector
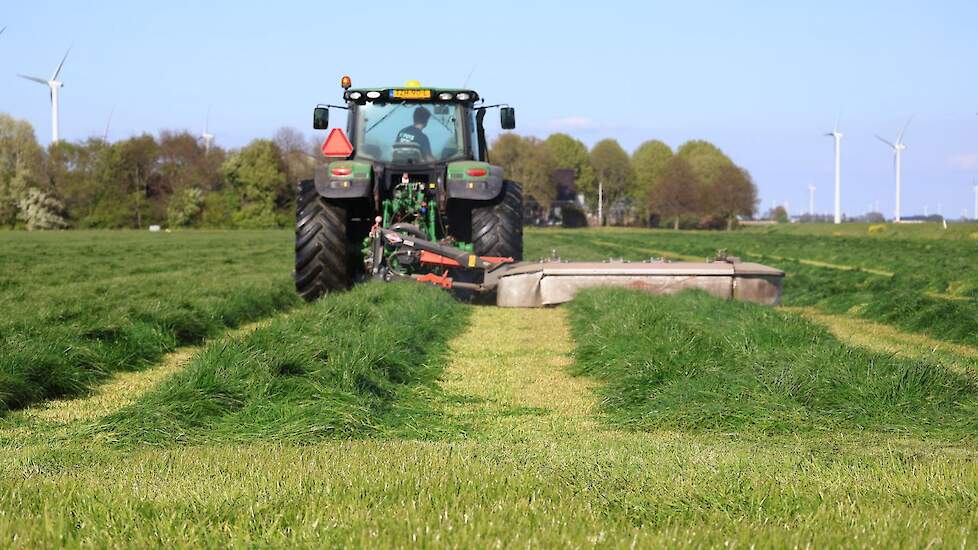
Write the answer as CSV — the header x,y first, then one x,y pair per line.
x,y
337,145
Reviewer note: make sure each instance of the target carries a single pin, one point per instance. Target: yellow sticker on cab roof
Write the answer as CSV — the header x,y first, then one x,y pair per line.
x,y
411,94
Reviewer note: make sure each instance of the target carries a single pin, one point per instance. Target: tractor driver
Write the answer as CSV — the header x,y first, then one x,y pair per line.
x,y
413,133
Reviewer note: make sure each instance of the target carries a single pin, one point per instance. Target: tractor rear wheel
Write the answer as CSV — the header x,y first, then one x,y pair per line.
x,y
497,227
321,263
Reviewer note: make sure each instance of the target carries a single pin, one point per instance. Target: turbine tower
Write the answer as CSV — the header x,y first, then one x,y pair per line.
x,y
976,201
54,85
105,134
837,136
811,201
207,136
898,146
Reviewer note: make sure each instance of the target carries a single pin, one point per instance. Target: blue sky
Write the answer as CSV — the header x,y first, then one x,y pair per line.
x,y
762,80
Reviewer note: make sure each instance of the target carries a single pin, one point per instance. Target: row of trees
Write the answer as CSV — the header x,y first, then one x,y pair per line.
x,y
175,180
696,185
172,180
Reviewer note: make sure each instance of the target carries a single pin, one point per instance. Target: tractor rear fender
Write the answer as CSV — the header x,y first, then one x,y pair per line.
x,y
344,179
474,180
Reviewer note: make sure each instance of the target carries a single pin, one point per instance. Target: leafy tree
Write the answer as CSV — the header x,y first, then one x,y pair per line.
x,y
71,170
572,154
778,214
733,194
648,161
40,210
21,165
677,192
613,169
185,207
299,163
128,185
218,209
184,163
707,161
257,176
528,161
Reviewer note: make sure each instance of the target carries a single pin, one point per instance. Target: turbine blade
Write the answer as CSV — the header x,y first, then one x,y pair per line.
x,y
3,29
900,138
34,79
837,119
62,64
886,142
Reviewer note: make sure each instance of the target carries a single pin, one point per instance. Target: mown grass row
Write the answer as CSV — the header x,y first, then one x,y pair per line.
x,y
692,362
79,306
932,292
360,363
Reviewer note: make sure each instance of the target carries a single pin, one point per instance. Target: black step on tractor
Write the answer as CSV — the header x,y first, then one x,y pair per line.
x,y
410,194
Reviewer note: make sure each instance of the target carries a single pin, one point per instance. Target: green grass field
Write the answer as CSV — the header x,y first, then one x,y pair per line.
x,y
392,415
79,306
916,283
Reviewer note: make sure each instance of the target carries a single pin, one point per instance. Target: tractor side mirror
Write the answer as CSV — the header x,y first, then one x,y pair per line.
x,y
507,118
320,118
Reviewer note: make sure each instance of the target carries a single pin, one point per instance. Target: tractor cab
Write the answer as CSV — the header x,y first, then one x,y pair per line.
x,y
414,125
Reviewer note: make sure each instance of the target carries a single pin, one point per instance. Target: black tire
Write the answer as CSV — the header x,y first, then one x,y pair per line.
x,y
321,263
497,226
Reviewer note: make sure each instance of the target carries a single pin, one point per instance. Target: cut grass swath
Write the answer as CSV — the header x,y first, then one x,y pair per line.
x,y
693,362
353,364
79,306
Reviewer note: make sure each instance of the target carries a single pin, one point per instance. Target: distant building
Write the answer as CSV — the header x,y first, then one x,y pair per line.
x,y
567,208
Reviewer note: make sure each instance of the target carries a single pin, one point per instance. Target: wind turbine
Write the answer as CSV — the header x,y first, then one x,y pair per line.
x,y
55,85
207,136
811,201
105,135
976,201
837,136
898,146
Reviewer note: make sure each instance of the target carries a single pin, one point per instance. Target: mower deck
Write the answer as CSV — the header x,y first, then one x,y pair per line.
x,y
529,284
548,283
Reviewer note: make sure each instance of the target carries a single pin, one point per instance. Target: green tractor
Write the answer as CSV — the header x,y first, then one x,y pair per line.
x,y
410,194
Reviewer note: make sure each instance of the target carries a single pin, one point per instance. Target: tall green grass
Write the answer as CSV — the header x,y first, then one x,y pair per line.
x,y
354,364
78,306
693,362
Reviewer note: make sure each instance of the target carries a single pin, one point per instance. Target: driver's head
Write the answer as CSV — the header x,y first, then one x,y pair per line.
x,y
421,116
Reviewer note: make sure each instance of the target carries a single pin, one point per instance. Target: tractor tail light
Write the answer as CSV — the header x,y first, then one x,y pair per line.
x,y
476,172
342,171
